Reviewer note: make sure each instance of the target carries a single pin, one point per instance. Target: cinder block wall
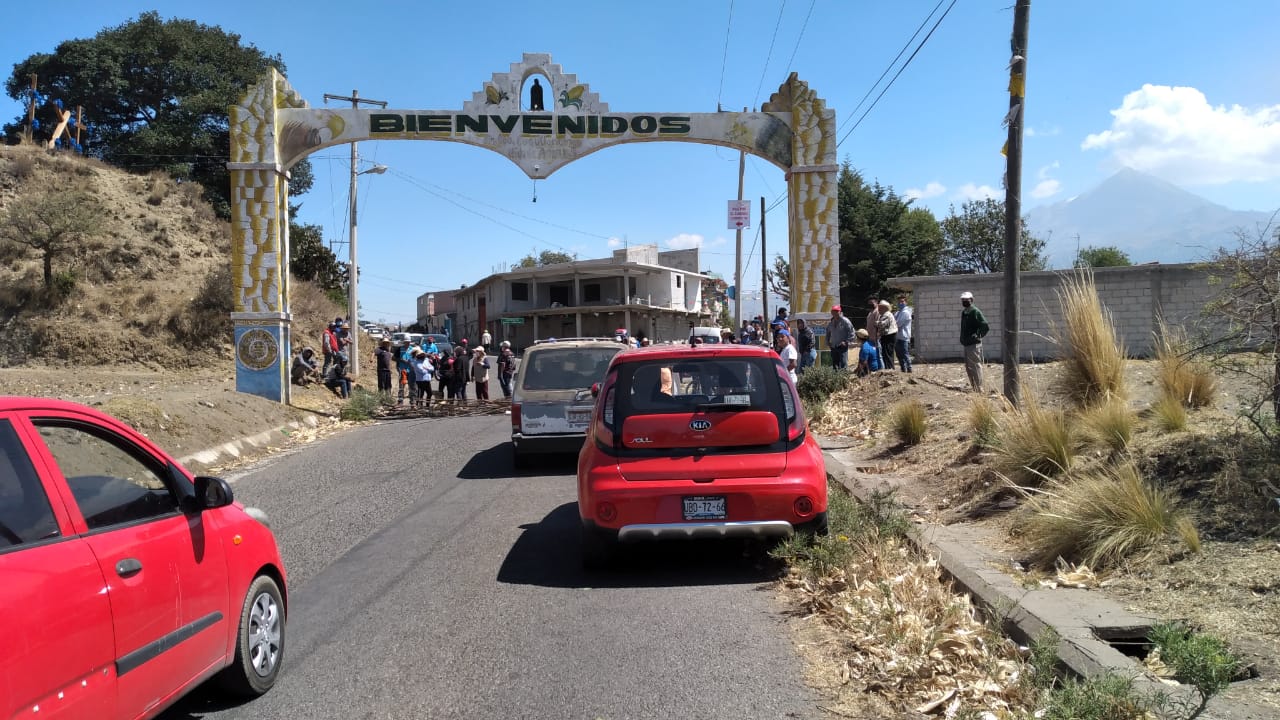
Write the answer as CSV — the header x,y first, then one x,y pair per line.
x,y
1135,296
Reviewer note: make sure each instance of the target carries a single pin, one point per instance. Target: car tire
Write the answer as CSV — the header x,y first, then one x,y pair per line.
x,y
259,641
815,527
599,548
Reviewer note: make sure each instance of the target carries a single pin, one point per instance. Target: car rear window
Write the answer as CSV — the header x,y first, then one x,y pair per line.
x,y
669,386
570,368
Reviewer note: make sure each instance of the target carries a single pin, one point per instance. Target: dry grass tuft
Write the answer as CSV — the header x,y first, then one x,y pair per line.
x,y
1190,381
981,419
1093,357
1169,413
908,422
1102,518
1036,443
1110,424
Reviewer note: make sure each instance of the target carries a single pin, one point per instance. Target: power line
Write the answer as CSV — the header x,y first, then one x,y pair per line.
x,y
899,73
724,61
769,55
889,67
800,37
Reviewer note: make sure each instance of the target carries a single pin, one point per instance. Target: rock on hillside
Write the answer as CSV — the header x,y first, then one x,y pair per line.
x,y
150,286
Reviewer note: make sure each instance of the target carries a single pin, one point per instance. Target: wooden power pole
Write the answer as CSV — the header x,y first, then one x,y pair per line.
x,y
764,273
1013,199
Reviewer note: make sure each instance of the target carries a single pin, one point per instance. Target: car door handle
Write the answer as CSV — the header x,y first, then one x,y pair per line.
x,y
128,567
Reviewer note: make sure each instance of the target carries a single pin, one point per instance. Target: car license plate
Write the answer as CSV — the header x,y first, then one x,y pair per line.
x,y
704,507
579,418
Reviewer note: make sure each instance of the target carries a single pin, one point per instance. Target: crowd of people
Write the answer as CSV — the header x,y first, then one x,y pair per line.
x,y
425,371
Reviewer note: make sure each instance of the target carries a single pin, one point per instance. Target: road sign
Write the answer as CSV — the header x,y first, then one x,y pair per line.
x,y
513,321
818,330
739,214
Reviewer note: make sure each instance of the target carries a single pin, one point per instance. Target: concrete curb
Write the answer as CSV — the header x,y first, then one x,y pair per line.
x,y
235,448
1084,620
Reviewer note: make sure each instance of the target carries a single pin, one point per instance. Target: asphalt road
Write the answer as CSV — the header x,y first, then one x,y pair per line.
x,y
429,579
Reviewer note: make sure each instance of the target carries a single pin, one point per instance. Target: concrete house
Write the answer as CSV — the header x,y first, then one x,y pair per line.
x,y
653,294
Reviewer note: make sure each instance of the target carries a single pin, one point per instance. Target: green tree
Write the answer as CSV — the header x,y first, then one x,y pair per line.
x,y
54,222
975,240
1098,257
310,259
156,92
546,257
881,236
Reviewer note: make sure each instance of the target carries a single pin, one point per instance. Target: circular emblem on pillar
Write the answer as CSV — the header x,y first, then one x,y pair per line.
x,y
257,349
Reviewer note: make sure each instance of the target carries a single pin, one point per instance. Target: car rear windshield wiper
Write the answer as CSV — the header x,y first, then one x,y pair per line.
x,y
721,406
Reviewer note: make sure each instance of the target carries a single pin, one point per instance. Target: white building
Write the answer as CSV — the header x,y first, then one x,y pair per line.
x,y
652,294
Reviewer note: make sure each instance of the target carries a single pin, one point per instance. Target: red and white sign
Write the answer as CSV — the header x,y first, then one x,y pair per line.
x,y
739,214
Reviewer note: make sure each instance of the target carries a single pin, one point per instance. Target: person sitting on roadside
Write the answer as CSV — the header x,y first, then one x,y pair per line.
x,y
868,355
338,380
304,370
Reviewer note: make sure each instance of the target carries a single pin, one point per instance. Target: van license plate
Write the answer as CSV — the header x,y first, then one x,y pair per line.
x,y
578,418
704,507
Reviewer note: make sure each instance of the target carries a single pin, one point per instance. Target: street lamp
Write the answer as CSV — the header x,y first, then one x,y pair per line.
x,y
353,298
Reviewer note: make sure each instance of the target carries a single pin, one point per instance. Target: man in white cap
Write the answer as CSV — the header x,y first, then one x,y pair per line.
x,y
973,327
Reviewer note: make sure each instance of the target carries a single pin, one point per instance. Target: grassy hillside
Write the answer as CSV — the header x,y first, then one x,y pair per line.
x,y
149,282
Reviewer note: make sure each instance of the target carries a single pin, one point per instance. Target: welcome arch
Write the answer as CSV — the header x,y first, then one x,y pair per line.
x,y
273,128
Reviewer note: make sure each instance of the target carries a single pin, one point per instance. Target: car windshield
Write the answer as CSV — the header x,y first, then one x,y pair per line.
x,y
567,368
705,384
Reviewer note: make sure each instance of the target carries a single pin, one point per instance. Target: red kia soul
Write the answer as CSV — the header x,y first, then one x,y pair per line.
x,y
694,441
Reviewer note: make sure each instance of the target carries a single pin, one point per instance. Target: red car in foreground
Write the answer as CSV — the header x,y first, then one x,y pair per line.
x,y
692,441
124,581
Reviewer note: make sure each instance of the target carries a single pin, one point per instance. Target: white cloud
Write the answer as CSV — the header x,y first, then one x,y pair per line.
x,y
684,241
615,242
1047,132
933,189
969,191
1046,189
1175,133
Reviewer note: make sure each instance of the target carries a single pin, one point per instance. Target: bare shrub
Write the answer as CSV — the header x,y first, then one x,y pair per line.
x,y
1169,413
160,186
1101,518
1093,357
208,316
982,422
24,165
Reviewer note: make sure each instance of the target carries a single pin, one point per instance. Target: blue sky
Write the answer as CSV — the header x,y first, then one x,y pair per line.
x,y
1183,90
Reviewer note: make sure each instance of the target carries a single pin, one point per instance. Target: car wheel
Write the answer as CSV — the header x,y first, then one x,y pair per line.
x,y
815,527
599,548
259,641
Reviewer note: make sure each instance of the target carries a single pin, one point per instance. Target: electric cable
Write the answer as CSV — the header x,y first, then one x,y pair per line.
x,y
889,67
769,55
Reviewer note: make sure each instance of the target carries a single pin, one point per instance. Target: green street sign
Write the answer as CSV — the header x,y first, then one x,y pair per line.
x,y
513,321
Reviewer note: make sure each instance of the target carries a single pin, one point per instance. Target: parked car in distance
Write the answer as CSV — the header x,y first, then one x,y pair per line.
x,y
697,441
126,581
551,394
708,335
442,342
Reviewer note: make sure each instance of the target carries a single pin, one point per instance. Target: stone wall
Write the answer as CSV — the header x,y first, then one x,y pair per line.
x,y
1135,296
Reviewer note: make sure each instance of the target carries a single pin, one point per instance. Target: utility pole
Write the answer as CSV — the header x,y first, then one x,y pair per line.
x,y
1013,198
764,270
737,271
353,297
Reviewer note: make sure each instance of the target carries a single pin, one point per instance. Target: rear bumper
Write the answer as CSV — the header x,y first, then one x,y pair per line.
x,y
698,530
547,444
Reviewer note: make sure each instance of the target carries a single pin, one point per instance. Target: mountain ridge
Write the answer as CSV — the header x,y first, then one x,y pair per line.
x,y
1148,218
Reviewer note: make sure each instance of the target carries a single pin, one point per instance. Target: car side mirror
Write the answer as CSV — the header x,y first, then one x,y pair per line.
x,y
595,389
212,492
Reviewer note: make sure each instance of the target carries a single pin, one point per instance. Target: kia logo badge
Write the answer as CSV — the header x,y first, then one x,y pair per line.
x,y
700,425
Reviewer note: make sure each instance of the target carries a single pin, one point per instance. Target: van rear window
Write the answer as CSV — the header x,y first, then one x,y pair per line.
x,y
567,368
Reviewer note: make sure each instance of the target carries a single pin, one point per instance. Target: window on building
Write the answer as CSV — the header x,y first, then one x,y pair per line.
x,y
560,294
631,286
679,280
520,291
591,292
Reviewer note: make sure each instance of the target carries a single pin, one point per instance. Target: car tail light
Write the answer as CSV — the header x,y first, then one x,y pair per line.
x,y
515,416
606,512
803,506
